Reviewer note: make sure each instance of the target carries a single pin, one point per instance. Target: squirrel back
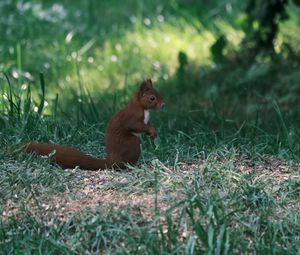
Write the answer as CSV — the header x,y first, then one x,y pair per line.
x,y
122,137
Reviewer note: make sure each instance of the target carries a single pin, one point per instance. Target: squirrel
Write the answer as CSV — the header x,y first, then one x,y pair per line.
x,y
122,136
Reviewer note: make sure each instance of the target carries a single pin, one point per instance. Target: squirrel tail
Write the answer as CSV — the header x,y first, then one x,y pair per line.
x,y
67,157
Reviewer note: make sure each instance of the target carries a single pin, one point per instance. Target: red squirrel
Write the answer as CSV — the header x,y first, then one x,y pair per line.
x,y
122,137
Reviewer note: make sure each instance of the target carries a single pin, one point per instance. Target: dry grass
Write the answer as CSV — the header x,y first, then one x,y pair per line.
x,y
95,189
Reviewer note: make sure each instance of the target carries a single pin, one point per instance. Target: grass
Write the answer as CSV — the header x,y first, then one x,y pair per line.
x,y
223,176
217,205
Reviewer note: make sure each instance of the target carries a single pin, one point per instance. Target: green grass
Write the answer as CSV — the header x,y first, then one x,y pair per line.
x,y
223,175
214,207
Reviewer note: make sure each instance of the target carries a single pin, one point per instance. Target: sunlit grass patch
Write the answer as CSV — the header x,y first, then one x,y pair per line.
x,y
140,40
142,52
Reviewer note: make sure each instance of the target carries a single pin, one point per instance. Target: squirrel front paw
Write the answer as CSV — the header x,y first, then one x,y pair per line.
x,y
152,133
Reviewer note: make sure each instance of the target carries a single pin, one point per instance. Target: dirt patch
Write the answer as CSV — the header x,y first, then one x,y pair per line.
x,y
92,193
93,190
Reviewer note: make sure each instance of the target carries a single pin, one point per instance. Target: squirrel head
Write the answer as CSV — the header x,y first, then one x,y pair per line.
x,y
149,98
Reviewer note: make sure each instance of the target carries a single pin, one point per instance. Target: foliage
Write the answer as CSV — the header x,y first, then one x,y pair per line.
x,y
263,22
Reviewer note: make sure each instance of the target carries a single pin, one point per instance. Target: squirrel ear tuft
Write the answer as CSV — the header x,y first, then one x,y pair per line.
x,y
149,82
145,86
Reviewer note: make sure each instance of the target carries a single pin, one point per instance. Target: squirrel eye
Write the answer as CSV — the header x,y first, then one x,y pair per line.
x,y
152,98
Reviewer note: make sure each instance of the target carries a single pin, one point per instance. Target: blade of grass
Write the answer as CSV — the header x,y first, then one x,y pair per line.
x,y
41,105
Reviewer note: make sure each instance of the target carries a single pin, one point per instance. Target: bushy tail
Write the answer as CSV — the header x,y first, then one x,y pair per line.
x,y
67,157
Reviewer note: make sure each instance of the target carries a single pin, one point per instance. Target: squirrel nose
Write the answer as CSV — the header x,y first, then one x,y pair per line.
x,y
163,105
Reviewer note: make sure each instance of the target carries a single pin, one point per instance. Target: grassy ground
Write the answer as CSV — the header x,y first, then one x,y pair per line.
x,y
223,176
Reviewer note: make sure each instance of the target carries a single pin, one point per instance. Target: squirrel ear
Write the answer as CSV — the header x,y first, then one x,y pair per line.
x,y
149,82
145,86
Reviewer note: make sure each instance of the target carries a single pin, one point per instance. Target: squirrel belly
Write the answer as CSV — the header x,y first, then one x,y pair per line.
x,y
122,136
